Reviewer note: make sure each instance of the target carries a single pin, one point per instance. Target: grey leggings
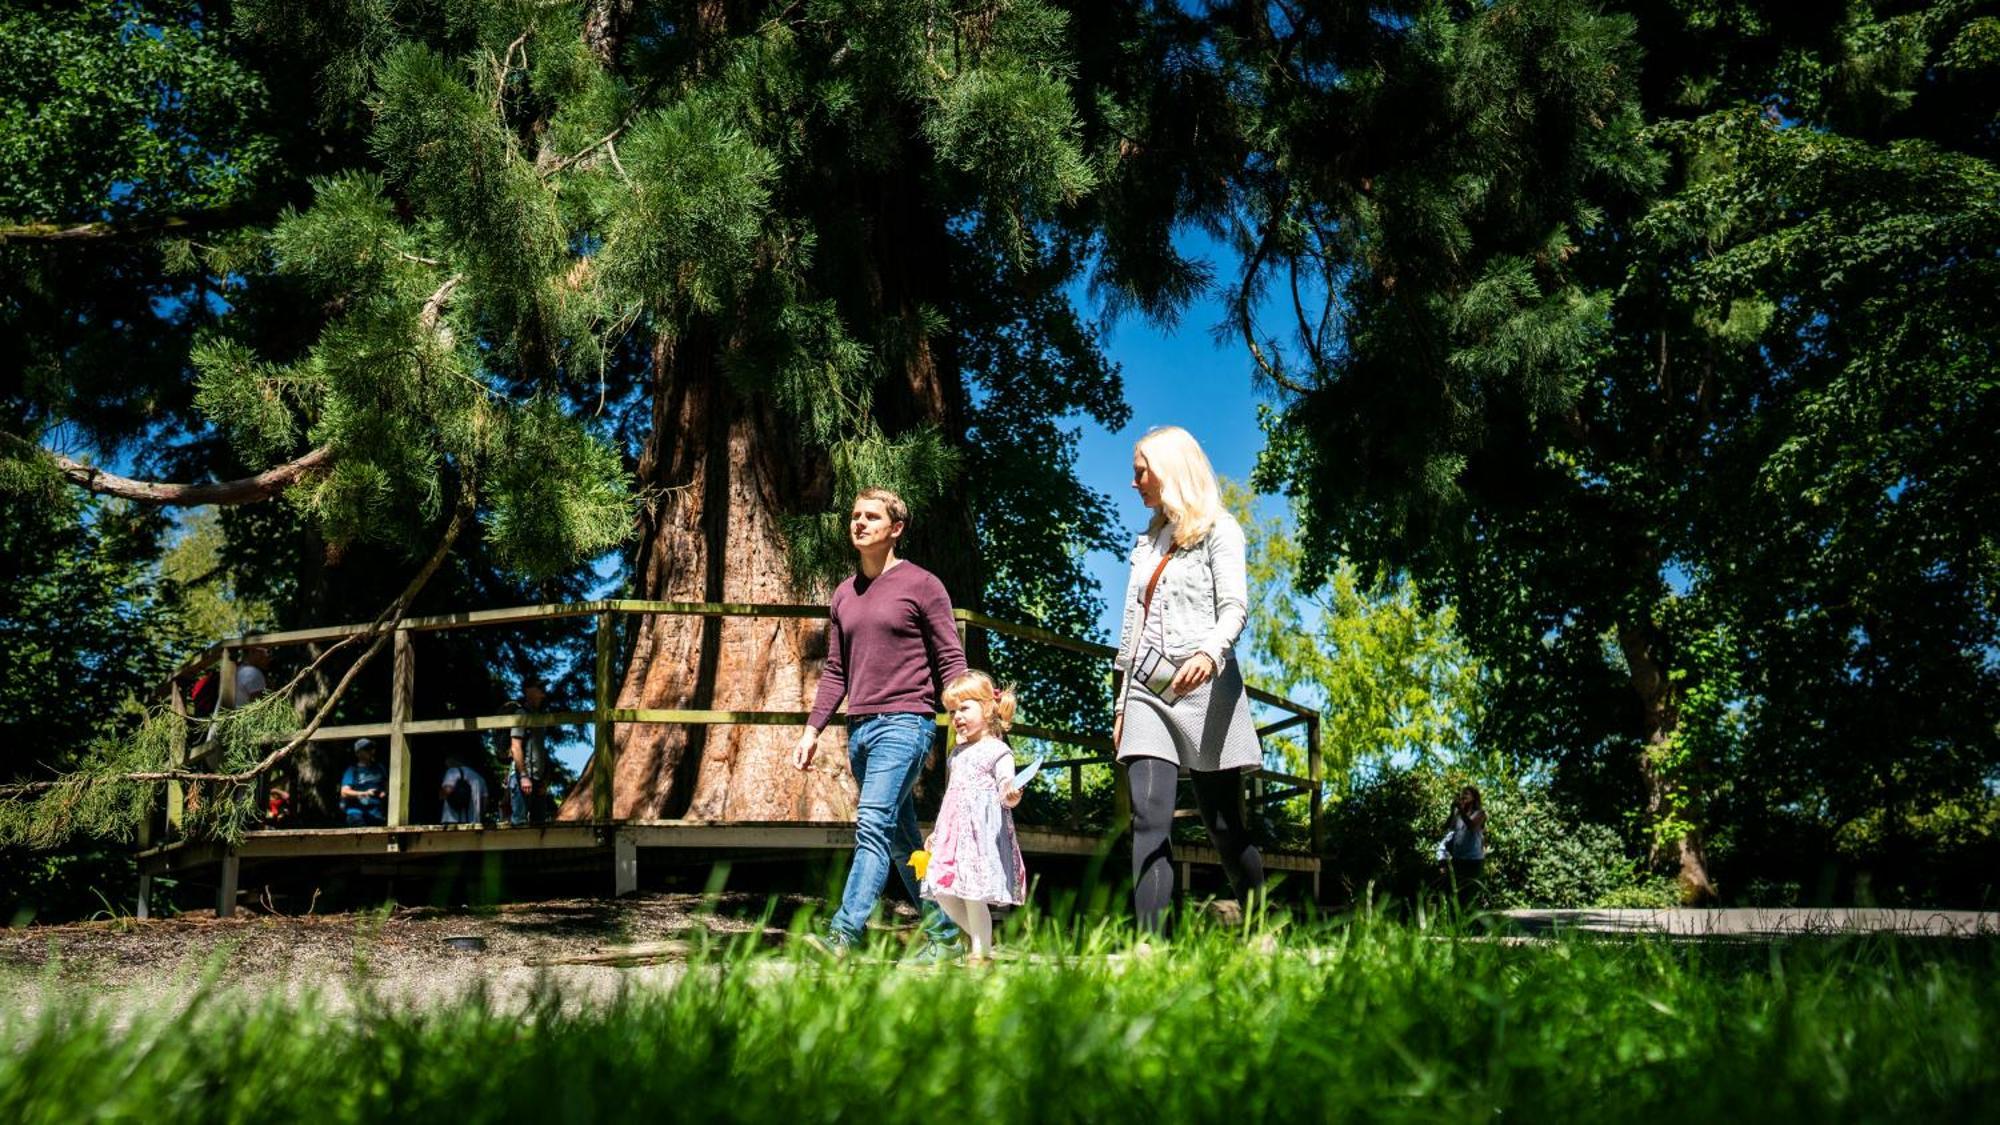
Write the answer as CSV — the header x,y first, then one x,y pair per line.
x,y
1219,798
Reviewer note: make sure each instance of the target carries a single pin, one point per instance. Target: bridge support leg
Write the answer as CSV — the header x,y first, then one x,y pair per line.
x,y
145,897
225,888
624,864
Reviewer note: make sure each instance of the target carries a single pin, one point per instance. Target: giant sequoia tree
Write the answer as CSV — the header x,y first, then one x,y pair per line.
x,y
678,275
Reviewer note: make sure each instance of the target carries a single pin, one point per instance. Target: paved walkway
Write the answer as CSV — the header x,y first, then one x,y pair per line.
x,y
1764,922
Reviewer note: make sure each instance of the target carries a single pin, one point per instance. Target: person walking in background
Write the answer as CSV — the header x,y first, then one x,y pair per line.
x,y
1183,704
1462,851
891,646
974,858
528,759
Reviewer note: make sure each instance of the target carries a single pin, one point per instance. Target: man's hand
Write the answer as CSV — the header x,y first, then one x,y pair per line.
x,y
803,750
527,784
1012,798
1195,671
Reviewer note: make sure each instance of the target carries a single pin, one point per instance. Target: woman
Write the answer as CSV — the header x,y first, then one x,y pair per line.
x,y
1463,848
1182,705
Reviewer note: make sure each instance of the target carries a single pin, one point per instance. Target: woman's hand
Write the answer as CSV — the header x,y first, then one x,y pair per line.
x,y
1195,671
1011,798
1117,729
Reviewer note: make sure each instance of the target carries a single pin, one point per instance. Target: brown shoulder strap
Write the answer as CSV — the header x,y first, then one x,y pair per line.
x,y
1147,606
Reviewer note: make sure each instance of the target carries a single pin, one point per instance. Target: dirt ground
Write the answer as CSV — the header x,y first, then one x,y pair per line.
x,y
589,948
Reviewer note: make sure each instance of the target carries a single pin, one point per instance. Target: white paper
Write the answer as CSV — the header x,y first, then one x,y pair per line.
x,y
1022,779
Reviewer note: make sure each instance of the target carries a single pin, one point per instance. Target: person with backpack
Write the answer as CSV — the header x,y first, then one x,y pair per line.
x,y
461,793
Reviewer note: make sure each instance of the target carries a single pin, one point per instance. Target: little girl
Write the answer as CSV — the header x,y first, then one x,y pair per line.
x,y
974,858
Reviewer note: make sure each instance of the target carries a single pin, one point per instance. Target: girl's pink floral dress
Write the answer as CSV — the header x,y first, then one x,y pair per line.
x,y
974,854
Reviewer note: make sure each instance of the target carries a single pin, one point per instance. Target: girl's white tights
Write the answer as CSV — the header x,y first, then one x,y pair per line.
x,y
974,919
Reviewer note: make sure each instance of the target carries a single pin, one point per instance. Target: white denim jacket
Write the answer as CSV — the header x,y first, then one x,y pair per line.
x,y
1201,602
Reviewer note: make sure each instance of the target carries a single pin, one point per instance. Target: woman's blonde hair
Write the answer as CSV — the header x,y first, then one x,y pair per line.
x,y
997,703
1189,494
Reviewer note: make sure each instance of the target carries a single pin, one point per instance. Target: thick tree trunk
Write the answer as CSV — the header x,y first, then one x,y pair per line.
x,y
1660,717
728,470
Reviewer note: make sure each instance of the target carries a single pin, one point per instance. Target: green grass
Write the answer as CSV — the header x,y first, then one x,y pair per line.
x,y
1367,1020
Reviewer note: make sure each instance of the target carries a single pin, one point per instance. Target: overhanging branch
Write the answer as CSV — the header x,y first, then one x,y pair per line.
x,y
142,226
246,490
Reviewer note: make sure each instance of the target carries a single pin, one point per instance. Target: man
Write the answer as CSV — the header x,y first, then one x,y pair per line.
x,y
461,793
251,684
891,647
364,788
528,753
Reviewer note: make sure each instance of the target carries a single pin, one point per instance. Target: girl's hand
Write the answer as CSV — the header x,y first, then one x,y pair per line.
x,y
1012,798
1195,671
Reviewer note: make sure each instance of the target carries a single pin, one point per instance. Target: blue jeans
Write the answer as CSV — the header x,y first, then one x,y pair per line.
x,y
887,753
365,816
523,807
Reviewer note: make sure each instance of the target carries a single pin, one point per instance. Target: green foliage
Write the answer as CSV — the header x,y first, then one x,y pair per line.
x,y
1370,1021
550,505
85,627
212,603
1664,362
138,106
1541,852
1392,679
685,239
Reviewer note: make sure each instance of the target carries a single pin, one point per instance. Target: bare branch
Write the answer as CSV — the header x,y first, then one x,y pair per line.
x,y
585,151
1246,322
246,490
142,226
434,304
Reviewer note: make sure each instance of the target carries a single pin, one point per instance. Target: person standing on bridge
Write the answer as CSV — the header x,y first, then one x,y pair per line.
x,y
891,648
1183,704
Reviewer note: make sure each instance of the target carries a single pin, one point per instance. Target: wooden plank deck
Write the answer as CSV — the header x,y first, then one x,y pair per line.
x,y
621,843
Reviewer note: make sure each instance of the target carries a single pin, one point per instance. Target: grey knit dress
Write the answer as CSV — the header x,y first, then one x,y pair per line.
x,y
1210,728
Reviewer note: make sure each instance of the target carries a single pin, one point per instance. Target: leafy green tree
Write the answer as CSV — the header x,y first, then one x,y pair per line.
x,y
502,285
1654,344
1394,682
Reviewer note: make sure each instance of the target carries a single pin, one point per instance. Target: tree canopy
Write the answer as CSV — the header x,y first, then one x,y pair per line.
x,y
1647,344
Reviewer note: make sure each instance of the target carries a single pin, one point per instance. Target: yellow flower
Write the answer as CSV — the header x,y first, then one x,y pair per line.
x,y
920,859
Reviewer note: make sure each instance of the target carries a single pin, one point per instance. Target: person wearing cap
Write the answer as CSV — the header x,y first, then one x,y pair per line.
x,y
528,759
364,788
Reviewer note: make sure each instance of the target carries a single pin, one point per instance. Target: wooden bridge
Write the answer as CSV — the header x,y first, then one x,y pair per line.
x,y
618,843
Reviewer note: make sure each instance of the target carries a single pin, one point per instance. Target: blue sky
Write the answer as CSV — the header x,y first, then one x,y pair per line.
x,y
1175,376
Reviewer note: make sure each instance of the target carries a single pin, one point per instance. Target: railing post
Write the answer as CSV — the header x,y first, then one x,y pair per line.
x,y
176,758
1315,769
1075,798
402,690
606,754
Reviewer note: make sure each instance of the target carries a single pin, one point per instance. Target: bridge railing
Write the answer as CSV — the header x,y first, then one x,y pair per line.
x,y
1267,787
